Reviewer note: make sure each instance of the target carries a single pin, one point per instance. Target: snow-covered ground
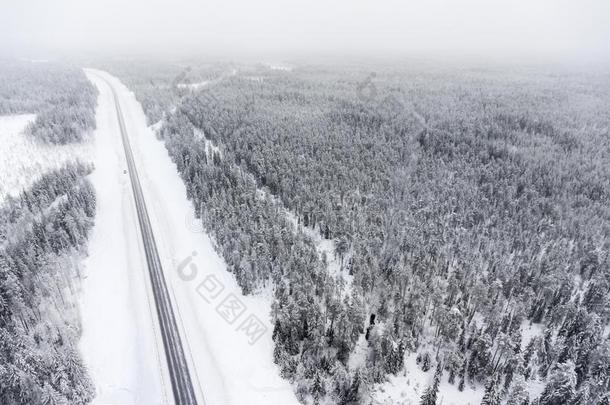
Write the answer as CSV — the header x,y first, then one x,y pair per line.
x,y
529,332
119,340
408,386
23,160
230,352
193,86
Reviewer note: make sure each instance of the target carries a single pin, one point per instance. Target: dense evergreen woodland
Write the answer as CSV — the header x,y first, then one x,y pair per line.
x,y
61,97
159,86
43,233
464,205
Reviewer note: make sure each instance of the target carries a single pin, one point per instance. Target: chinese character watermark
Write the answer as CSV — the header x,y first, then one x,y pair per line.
x,y
253,328
228,305
194,224
182,79
391,105
230,308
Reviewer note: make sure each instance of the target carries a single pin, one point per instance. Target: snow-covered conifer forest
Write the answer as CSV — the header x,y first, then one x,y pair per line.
x,y
269,202
414,233
47,208
60,95
43,235
431,234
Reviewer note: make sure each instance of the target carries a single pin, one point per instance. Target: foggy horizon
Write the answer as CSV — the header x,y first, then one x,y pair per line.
x,y
547,30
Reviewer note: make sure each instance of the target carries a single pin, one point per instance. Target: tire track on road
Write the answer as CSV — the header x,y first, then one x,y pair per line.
x,y
180,378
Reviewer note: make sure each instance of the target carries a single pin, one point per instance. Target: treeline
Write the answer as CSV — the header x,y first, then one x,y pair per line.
x,y
42,233
467,204
160,86
62,98
260,246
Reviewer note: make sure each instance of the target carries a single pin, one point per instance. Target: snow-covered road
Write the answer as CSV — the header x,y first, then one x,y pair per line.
x,y
118,341
227,336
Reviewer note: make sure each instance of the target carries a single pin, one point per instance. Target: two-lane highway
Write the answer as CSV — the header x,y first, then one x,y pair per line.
x,y
180,377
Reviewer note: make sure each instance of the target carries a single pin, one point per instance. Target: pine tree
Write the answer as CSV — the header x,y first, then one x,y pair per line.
x,y
430,394
491,396
561,385
352,396
426,362
393,354
583,396
462,376
517,394
454,366
605,400
318,389
599,367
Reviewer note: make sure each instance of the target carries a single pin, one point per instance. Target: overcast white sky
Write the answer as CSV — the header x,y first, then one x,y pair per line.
x,y
571,28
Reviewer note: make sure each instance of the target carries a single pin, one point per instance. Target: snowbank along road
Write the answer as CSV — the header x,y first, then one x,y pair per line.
x,y
180,378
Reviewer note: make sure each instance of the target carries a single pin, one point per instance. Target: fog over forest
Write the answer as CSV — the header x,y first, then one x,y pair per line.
x,y
290,202
568,30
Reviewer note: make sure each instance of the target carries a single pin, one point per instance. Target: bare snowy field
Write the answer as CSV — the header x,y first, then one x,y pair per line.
x,y
23,159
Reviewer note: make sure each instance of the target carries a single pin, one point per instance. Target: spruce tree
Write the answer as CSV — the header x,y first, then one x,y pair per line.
x,y
318,389
517,394
561,385
491,396
425,365
430,394
462,376
352,396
